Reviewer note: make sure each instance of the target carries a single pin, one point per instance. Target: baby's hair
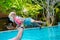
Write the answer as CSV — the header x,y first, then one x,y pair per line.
x,y
10,16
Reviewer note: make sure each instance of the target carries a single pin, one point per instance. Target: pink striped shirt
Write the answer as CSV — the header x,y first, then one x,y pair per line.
x,y
18,21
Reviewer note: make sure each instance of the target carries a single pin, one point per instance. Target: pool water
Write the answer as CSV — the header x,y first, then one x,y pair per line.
x,y
47,33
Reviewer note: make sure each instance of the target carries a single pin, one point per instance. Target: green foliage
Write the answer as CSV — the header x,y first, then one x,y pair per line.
x,y
32,10
19,6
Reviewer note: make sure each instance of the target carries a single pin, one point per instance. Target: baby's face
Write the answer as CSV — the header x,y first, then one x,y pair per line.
x,y
13,15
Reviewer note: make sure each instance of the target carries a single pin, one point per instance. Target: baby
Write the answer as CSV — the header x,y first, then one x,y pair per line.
x,y
20,23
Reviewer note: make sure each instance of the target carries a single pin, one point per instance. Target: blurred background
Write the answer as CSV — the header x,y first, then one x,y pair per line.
x,y
43,10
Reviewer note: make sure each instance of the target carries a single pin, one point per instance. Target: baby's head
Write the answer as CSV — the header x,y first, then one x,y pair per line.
x,y
12,15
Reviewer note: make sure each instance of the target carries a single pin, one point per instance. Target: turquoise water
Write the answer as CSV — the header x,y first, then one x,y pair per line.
x,y
51,33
